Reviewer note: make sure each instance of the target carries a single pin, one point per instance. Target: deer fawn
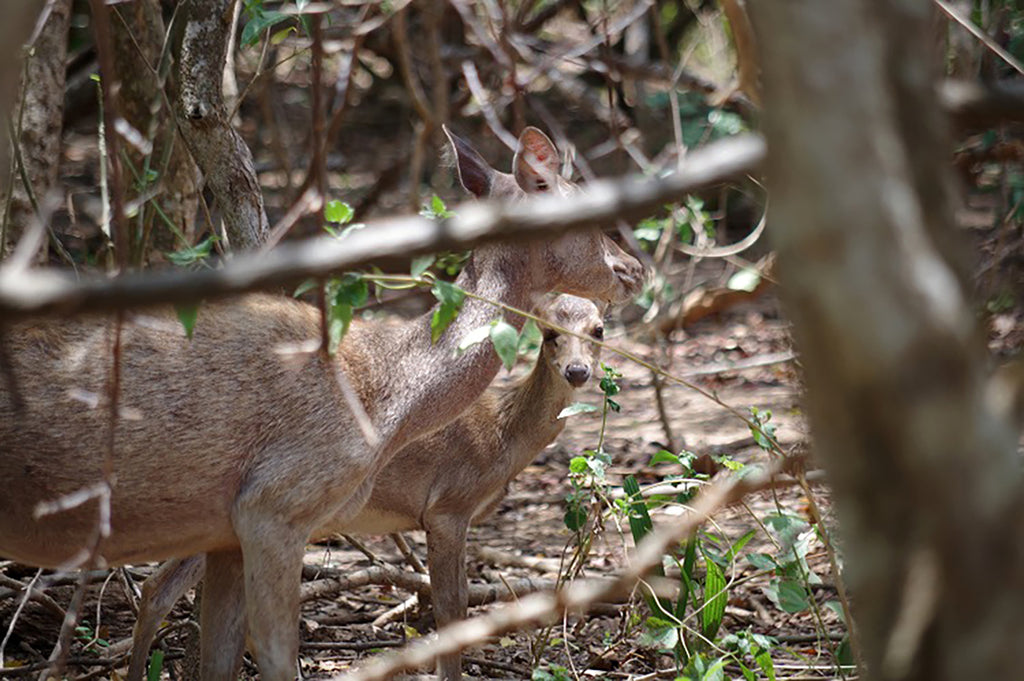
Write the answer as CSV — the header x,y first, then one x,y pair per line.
x,y
444,481
233,444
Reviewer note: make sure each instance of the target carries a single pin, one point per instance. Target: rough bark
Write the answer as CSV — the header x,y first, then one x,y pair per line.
x,y
138,31
36,117
218,149
14,31
925,479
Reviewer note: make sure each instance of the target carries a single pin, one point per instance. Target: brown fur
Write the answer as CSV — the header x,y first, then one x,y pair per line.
x,y
235,444
443,482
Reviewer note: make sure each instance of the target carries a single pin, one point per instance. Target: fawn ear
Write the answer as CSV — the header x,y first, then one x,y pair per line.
x,y
474,173
536,162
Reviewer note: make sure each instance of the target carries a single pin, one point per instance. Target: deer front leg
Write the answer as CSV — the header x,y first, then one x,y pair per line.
x,y
222,617
446,559
159,594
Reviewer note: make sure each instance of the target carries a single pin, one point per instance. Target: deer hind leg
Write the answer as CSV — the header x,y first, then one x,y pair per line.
x,y
159,594
273,570
446,558
222,617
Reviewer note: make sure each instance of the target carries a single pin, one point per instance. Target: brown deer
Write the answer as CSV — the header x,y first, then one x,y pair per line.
x,y
444,481
234,445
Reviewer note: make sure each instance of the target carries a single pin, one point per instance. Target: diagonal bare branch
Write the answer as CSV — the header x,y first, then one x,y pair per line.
x,y
384,242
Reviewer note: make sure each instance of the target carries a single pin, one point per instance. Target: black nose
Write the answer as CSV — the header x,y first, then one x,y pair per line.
x,y
577,374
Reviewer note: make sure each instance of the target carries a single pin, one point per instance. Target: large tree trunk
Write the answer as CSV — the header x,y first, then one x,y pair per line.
x,y
36,117
138,32
924,473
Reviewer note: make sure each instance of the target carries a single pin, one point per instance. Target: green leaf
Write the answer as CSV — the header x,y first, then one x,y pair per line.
x,y
575,516
436,210
576,408
738,545
578,465
716,672
609,386
187,315
437,205
761,429
352,290
763,658
474,337
346,294
305,287
837,608
421,264
788,595
716,596
529,337
192,254
279,37
506,342
337,326
744,280
338,212
156,665
640,523
762,561
659,633
451,298
613,405
258,24
729,463
664,456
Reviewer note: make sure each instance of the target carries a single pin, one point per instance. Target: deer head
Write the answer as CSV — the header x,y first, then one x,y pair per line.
x,y
572,358
585,263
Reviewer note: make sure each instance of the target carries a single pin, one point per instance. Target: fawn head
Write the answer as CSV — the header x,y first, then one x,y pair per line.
x,y
572,358
585,263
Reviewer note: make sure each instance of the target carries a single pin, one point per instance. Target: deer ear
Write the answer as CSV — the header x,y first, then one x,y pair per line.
x,y
536,162
474,173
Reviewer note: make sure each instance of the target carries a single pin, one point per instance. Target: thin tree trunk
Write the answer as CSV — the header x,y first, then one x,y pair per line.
x,y
925,477
138,31
218,149
15,30
36,119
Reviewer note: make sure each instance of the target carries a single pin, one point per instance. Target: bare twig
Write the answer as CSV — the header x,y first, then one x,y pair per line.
x,y
109,85
29,592
412,83
410,556
986,40
475,86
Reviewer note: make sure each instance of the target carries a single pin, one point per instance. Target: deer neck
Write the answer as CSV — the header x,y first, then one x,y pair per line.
x,y
503,273
429,382
528,413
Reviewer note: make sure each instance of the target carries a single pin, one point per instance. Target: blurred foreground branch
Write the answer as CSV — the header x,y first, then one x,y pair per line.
x,y
384,242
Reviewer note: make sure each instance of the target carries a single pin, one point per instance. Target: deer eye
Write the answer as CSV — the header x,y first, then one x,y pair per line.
x,y
599,333
550,335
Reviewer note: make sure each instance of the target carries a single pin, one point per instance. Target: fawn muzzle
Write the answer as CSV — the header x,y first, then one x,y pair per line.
x,y
577,374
